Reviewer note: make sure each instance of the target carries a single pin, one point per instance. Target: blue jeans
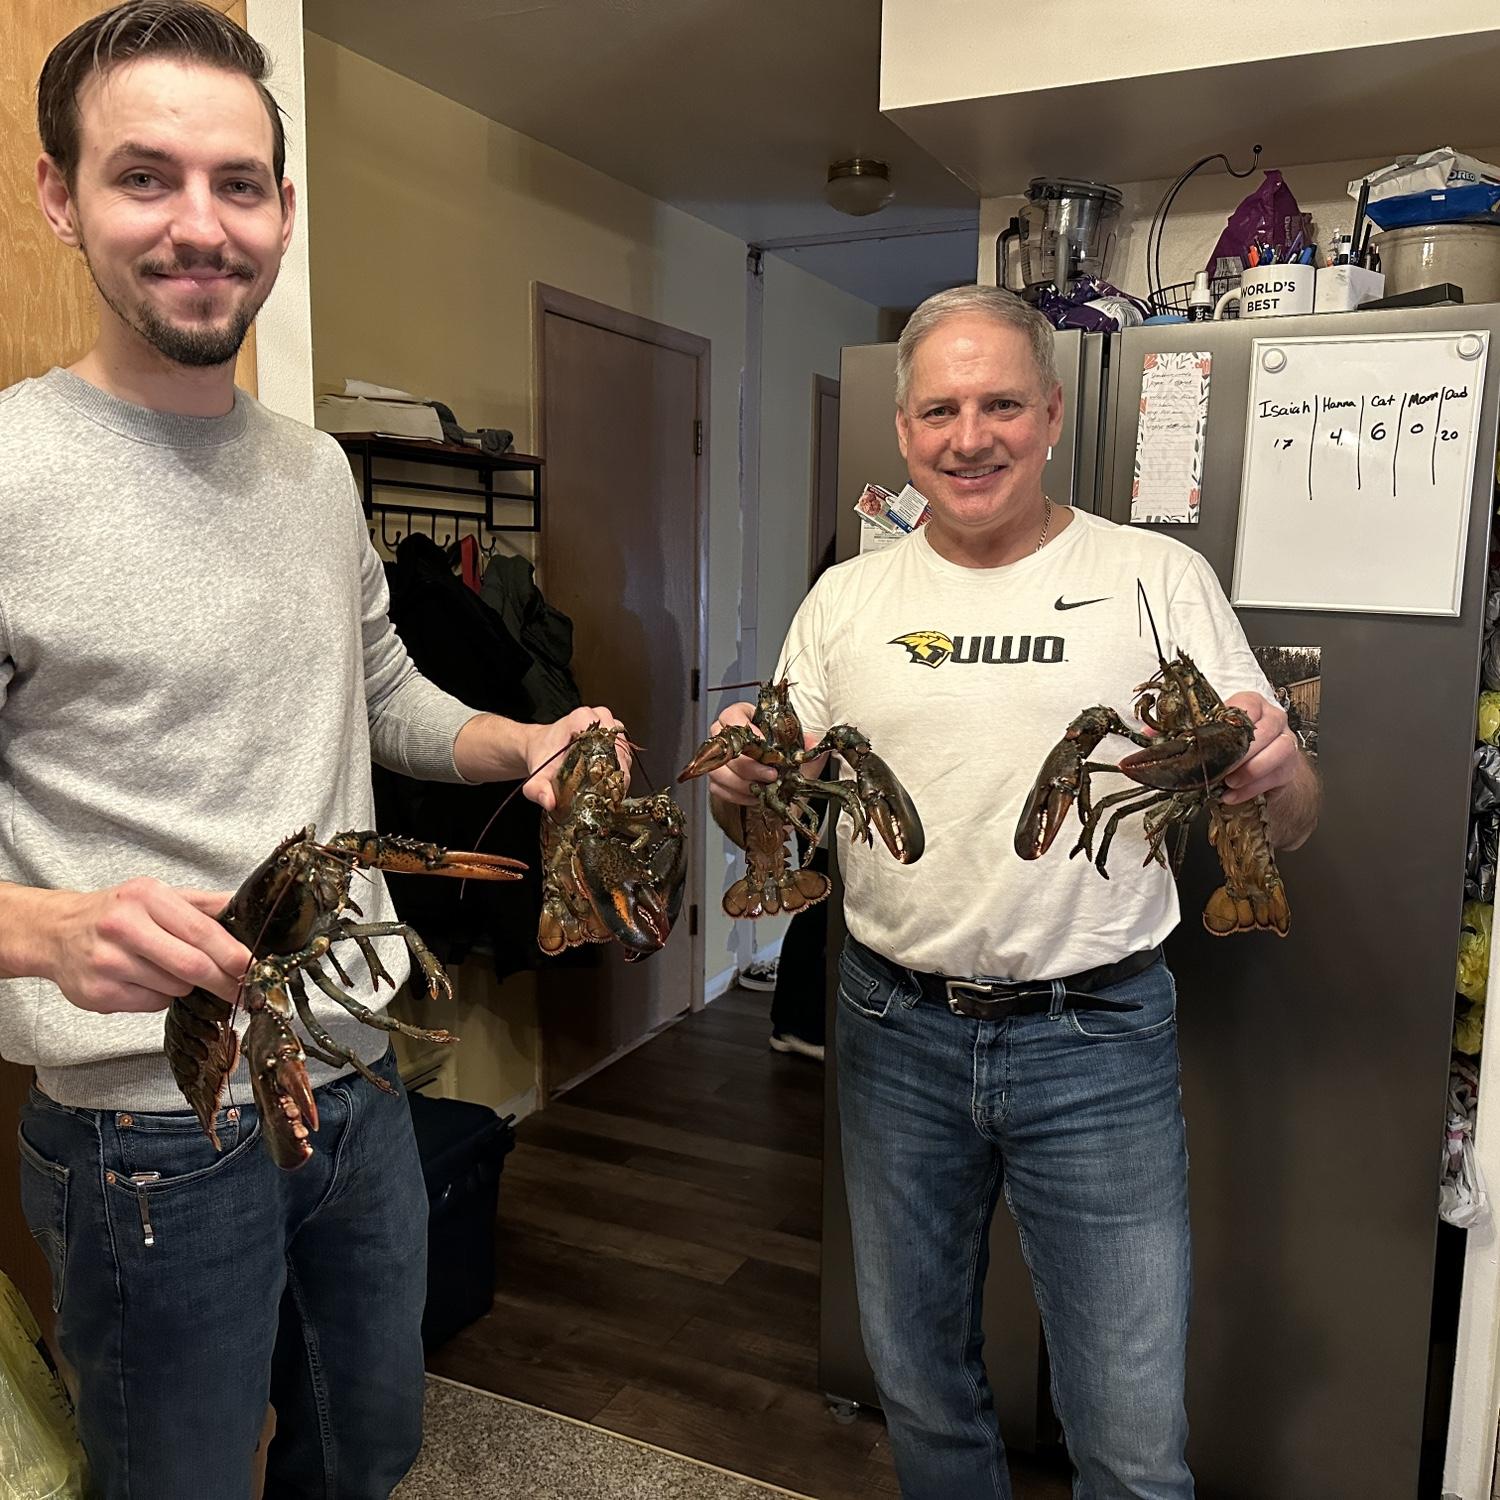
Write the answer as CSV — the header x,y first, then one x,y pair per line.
x,y
1075,1115
304,1289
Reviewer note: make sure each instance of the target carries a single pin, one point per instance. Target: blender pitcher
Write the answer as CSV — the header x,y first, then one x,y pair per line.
x,y
1064,232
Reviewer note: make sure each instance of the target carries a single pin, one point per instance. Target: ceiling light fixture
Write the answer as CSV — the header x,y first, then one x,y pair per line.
x,y
859,186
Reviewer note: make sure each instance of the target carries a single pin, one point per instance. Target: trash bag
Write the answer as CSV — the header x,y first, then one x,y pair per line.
x,y
40,1457
1482,857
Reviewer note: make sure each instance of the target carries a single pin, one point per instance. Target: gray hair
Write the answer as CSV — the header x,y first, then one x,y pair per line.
x,y
989,301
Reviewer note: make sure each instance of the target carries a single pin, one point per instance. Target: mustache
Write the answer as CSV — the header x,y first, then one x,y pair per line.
x,y
220,264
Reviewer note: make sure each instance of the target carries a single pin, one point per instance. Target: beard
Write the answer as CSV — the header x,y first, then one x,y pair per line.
x,y
199,346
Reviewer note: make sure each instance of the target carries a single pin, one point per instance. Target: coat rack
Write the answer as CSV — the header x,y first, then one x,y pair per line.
x,y
389,522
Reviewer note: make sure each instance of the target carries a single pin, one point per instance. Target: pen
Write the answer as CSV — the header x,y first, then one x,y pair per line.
x,y
1359,216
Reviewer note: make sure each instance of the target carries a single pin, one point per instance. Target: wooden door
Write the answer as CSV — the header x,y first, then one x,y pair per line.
x,y
623,410
47,318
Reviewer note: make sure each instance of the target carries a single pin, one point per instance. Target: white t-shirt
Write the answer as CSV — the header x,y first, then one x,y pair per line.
x,y
964,679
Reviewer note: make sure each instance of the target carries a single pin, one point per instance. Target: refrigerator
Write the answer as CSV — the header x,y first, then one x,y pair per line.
x,y
1314,1068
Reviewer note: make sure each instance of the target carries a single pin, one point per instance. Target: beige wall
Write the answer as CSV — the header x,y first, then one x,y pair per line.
x,y
1199,213
432,224
283,331
935,50
806,324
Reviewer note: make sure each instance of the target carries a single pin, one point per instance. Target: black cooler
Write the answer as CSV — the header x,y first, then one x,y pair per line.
x,y
463,1148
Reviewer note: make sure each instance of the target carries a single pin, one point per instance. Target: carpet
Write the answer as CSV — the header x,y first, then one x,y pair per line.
x,y
479,1446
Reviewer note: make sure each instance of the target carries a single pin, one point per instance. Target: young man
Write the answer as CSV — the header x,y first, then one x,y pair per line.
x,y
195,660
1049,1070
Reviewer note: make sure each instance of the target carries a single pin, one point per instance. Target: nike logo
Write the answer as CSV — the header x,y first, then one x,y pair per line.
x,y
1079,603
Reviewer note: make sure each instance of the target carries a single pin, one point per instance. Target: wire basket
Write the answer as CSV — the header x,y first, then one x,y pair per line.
x,y
1174,298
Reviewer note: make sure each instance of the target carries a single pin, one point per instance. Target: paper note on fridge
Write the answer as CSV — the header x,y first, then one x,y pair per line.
x,y
1359,472
1170,437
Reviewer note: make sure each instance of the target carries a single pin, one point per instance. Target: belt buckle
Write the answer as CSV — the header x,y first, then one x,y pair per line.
x,y
978,991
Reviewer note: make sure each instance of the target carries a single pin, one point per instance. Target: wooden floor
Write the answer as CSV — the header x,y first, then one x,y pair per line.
x,y
658,1263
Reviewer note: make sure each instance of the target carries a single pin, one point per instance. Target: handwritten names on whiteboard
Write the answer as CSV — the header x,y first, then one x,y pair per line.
x,y
1358,473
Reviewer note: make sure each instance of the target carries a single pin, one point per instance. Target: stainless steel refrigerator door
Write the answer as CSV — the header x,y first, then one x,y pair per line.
x,y
1315,1067
868,452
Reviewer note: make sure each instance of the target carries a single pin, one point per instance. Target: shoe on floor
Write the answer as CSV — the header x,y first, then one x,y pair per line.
x,y
786,1042
761,975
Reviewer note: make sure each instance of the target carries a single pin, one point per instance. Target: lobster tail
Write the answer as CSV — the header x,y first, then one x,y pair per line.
x,y
202,1050
1258,911
786,891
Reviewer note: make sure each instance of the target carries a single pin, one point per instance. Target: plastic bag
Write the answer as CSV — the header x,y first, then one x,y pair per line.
x,y
1462,1199
1442,186
1474,950
1268,216
40,1458
1488,718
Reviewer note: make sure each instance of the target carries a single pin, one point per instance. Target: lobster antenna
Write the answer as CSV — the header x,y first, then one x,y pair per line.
x,y
1141,599
729,687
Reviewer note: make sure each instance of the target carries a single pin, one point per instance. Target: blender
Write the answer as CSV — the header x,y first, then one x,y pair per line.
x,y
1064,232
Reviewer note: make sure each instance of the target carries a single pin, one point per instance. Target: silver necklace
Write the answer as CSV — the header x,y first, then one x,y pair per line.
x,y
1041,541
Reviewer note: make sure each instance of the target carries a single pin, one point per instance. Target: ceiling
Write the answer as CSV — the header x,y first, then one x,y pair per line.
x,y
728,109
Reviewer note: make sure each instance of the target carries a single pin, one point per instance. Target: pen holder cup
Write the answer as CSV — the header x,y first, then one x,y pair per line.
x,y
1272,292
1343,288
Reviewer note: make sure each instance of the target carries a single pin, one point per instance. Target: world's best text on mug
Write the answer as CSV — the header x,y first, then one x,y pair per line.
x,y
1272,292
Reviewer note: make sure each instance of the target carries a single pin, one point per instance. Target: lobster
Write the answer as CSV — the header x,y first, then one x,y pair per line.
x,y
613,866
774,737
289,912
1198,741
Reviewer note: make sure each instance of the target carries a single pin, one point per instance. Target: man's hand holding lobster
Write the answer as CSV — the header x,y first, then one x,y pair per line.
x,y
734,781
1275,768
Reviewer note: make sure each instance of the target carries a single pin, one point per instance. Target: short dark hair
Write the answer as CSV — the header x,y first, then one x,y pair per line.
x,y
145,28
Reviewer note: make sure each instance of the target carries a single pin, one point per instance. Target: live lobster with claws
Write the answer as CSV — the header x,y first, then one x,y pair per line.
x,y
289,912
613,866
774,737
1197,740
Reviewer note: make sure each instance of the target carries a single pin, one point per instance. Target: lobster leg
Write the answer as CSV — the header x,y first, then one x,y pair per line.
x,y
298,991
379,1020
438,985
325,1039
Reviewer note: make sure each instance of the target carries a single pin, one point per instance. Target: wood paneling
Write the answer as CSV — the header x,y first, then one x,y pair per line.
x,y
47,310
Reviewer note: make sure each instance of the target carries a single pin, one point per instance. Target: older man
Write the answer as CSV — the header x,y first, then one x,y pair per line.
x,y
1066,1098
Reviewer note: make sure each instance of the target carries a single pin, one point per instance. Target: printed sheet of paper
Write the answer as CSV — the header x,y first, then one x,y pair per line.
x,y
1170,438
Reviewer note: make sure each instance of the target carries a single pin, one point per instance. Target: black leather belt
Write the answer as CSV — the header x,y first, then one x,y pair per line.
x,y
994,999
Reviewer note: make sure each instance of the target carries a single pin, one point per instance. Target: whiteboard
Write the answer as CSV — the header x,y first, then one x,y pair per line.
x,y
1358,472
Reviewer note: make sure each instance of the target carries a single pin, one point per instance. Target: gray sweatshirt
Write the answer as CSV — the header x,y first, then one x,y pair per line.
x,y
195,660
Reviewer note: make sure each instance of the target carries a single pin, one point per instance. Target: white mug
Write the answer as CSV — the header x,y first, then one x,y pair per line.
x,y
1272,291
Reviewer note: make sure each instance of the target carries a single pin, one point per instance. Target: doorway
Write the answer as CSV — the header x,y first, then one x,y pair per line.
x,y
622,422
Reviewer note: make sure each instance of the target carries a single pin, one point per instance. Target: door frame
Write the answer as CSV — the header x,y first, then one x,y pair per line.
x,y
550,299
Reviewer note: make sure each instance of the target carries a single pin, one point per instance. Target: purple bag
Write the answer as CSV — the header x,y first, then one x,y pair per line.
x,y
1268,216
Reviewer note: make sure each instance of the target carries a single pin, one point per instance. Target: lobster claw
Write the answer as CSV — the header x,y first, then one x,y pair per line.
x,y
283,1094
408,856
1201,759
626,895
1046,810
718,750
890,808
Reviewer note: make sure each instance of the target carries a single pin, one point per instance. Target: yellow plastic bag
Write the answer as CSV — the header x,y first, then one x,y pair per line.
x,y
1474,950
1488,726
40,1457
